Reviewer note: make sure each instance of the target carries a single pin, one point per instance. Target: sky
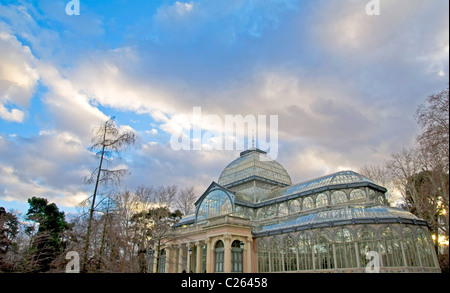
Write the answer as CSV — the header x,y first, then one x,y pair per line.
x,y
344,85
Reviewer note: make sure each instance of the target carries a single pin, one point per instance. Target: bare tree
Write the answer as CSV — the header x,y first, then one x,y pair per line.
x,y
108,141
402,168
422,172
433,117
433,141
185,200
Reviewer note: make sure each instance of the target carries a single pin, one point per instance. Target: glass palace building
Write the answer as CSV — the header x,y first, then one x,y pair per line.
x,y
255,220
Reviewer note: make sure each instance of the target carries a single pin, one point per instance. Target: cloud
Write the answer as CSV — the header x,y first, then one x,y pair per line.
x,y
158,164
49,165
18,77
408,31
344,85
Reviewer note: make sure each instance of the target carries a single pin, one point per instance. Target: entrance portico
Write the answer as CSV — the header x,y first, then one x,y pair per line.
x,y
224,245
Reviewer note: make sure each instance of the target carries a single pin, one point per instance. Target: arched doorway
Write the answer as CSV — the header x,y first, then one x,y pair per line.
x,y
237,257
219,257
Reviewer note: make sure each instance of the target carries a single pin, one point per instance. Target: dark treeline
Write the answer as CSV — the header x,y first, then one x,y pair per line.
x,y
125,226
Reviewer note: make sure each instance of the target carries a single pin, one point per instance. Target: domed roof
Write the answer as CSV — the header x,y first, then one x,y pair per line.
x,y
254,164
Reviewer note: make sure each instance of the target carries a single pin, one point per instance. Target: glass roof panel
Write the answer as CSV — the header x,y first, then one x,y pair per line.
x,y
345,213
343,177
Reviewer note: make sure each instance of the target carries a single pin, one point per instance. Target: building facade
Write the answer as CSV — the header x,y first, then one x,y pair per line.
x,y
254,220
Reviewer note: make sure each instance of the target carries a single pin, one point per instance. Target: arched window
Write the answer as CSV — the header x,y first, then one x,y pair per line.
x,y
283,209
216,203
305,255
162,262
263,257
338,197
237,257
290,255
218,256
367,242
425,246
294,206
410,248
321,200
308,203
389,248
323,251
358,195
345,249
275,256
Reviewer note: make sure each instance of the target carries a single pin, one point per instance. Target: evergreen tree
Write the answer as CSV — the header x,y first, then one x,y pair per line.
x,y
47,243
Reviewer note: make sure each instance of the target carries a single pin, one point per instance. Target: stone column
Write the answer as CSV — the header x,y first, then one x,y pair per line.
x,y
198,267
180,258
248,248
188,268
168,260
227,253
155,261
208,255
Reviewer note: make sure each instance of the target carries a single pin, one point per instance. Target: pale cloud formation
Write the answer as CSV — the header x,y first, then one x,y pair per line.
x,y
49,165
343,85
18,77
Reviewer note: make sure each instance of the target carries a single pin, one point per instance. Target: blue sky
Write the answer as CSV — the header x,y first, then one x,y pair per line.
x,y
344,85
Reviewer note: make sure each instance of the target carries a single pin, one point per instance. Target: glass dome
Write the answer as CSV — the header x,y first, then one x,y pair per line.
x,y
254,164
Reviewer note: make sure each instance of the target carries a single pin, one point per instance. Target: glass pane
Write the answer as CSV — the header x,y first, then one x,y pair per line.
x,y
304,252
321,200
358,195
308,203
338,197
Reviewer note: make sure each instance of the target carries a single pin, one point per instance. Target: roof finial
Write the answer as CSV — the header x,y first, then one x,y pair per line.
x,y
253,138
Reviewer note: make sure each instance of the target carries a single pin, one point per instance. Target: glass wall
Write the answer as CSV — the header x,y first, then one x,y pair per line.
x,y
321,200
305,254
409,247
425,246
263,257
367,241
346,248
290,255
323,251
389,248
275,256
